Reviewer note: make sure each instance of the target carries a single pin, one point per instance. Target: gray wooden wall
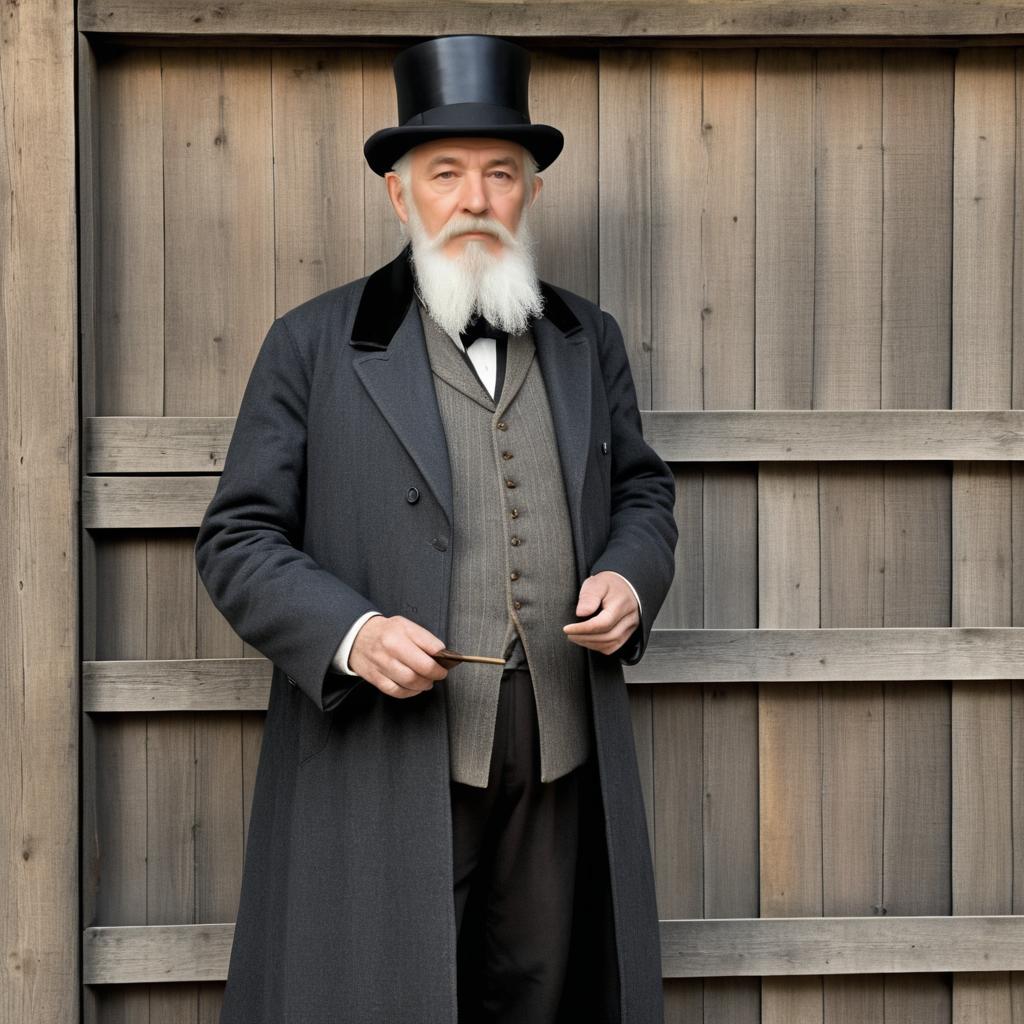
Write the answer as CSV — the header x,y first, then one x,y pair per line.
x,y
812,230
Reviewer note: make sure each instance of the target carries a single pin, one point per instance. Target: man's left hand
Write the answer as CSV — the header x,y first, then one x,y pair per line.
x,y
614,624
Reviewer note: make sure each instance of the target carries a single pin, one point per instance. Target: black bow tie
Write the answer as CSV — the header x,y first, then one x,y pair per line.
x,y
481,328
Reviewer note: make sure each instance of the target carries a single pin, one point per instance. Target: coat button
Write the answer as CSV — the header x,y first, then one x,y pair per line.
x,y
515,513
517,605
509,482
506,455
513,575
412,496
514,542
440,543
502,425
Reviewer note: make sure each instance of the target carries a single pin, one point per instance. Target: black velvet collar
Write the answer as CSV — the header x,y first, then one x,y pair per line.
x,y
389,290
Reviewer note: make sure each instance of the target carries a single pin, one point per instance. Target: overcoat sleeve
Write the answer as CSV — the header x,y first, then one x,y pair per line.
x,y
643,532
248,551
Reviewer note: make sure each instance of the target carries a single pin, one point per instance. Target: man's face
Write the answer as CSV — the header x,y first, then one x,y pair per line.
x,y
462,184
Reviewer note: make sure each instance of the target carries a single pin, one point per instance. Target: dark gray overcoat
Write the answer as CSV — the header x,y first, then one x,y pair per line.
x,y
335,498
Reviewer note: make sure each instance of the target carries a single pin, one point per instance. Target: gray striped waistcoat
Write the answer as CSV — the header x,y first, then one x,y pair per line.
x,y
513,564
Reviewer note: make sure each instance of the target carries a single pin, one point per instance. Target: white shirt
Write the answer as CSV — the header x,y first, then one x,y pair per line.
x,y
483,353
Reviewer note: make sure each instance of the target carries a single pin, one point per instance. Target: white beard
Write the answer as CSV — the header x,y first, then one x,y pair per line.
x,y
502,288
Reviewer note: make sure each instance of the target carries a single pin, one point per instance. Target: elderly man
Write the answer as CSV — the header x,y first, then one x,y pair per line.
x,y
445,459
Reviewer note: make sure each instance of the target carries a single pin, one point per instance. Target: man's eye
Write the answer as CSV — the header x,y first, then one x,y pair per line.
x,y
443,173
505,173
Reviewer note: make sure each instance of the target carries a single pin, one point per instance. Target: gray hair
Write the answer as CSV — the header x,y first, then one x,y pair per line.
x,y
403,168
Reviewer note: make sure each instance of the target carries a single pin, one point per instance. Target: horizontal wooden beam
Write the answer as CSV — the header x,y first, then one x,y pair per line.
x,y
716,947
539,18
769,946
145,502
839,435
198,444
894,654
899,654
197,684
156,444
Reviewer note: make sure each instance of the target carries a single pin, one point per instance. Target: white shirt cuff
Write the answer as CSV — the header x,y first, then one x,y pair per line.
x,y
340,660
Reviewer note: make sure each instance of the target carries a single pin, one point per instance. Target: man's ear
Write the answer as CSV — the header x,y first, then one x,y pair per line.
x,y
538,184
394,186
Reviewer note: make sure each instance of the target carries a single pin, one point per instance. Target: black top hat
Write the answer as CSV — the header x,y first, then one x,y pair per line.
x,y
462,85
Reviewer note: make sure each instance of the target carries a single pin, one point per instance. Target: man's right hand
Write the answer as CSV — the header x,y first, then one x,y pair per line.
x,y
394,653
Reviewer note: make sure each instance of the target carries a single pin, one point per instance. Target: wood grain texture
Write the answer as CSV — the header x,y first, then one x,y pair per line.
x,y
186,684
789,718
624,244
198,444
607,18
723,658
39,557
917,250
851,522
981,717
696,948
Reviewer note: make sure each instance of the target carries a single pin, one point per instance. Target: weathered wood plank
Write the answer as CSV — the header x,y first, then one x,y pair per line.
x,y
985,122
137,503
782,946
847,355
720,656
690,948
198,444
788,518
204,684
39,558
917,250
609,18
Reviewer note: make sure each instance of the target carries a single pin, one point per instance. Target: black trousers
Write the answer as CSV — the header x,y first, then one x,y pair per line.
x,y
523,886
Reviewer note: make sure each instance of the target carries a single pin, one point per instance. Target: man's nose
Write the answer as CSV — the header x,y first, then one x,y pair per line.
x,y
474,195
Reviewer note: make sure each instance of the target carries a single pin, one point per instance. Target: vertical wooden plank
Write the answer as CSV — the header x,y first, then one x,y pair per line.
x,y
120,779
983,204
564,219
788,576
1017,536
917,122
228,113
221,793
677,711
625,272
381,231
219,224
130,281
39,467
171,765
89,248
129,380
318,154
702,296
847,349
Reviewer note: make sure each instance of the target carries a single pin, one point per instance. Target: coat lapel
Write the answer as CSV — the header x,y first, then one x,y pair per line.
x,y
397,376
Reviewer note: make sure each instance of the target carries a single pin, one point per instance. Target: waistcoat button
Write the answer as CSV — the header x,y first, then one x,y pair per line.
x,y
514,542
509,482
517,605
412,495
440,543
515,513
506,455
513,576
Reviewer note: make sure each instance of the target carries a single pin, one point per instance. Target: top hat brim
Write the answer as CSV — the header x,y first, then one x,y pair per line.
x,y
384,147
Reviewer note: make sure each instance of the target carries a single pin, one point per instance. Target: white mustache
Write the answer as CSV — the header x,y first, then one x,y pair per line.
x,y
463,224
